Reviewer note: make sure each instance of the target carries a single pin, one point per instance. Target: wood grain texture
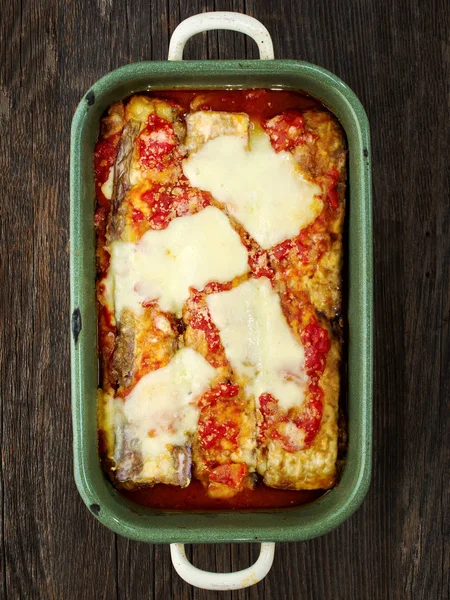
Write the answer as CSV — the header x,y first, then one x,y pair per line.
x,y
396,57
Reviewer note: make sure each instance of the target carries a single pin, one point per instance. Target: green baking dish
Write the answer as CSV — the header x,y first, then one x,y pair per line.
x,y
164,526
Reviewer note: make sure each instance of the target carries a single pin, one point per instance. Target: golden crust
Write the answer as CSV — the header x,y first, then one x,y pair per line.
x,y
314,467
324,147
144,344
324,286
205,125
113,123
236,415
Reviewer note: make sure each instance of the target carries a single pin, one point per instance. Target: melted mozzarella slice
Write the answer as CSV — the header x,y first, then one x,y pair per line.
x,y
107,187
161,408
163,265
259,343
262,189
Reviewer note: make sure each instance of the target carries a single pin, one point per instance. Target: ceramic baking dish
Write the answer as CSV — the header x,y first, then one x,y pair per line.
x,y
268,526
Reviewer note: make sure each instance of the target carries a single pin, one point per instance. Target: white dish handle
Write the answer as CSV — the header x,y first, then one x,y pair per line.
x,y
186,29
220,20
207,580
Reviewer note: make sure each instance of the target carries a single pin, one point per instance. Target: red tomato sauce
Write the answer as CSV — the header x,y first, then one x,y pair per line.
x,y
194,497
259,103
156,143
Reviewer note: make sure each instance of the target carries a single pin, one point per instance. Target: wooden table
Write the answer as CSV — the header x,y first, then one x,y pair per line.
x,y
396,57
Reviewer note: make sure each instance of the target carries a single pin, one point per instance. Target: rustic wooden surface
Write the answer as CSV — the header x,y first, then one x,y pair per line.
x,y
396,57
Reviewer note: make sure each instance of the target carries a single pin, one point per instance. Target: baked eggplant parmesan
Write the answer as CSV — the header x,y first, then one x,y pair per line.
x,y
219,219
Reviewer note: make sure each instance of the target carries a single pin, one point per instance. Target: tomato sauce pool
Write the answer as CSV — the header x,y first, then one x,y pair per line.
x,y
194,497
259,104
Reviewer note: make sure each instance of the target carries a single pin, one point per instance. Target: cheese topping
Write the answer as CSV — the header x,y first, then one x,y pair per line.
x,y
161,409
261,188
259,343
107,187
163,265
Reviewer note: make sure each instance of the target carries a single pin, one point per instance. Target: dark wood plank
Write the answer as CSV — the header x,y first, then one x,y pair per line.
x,y
7,39
53,548
396,57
